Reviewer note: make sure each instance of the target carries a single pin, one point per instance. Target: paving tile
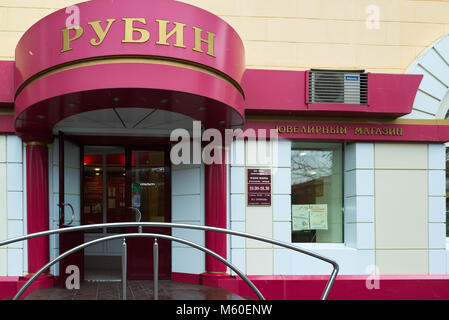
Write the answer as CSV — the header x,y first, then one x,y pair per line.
x,y
136,290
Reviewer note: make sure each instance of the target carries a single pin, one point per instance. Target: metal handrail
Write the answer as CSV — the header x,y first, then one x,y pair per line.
x,y
185,226
137,235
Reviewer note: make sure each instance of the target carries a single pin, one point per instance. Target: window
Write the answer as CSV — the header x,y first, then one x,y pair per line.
x,y
317,192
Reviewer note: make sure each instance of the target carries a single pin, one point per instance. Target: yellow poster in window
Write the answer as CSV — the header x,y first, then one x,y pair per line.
x,y
318,217
300,217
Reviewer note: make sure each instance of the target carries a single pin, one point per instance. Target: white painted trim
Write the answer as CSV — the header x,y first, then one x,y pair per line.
x,y
433,64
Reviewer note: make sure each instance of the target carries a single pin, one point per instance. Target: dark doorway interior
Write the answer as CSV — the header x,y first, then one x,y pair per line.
x,y
121,184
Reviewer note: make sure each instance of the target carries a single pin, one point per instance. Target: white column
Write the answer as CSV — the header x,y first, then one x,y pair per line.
x,y
359,203
15,204
437,208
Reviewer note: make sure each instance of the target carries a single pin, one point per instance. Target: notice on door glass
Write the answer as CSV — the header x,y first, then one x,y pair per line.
x,y
136,200
309,217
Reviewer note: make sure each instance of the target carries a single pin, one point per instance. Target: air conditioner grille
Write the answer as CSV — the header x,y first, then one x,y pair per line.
x,y
338,87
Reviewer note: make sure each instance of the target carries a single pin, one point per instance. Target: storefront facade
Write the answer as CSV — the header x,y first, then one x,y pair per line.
x,y
356,169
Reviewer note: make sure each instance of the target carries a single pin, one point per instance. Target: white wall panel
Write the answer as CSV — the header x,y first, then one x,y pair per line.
x,y
365,182
437,209
437,157
15,262
238,259
282,262
437,235
195,236
12,207
15,229
15,205
238,179
237,241
282,231
186,208
282,181
187,260
186,181
238,203
282,207
14,149
437,183
359,156
437,262
282,158
71,180
71,155
15,177
237,154
365,209
365,236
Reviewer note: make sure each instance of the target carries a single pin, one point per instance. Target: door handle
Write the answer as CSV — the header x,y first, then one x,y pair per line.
x,y
63,218
138,216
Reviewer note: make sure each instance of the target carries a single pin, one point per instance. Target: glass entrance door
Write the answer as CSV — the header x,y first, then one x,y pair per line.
x,y
149,194
149,184
119,183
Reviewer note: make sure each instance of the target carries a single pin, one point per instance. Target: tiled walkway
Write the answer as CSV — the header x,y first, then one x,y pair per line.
x,y
137,290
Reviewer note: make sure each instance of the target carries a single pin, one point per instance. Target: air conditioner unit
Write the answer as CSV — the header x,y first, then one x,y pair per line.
x,y
338,87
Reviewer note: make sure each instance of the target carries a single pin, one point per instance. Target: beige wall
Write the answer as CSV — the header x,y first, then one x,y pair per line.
x,y
404,234
250,256
401,214
294,34
259,220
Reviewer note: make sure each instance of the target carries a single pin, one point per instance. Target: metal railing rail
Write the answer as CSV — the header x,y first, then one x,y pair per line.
x,y
137,235
183,226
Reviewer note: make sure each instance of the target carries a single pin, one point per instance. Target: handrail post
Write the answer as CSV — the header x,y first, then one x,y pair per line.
x,y
156,269
124,267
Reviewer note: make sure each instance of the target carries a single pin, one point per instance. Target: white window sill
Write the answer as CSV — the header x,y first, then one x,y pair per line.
x,y
323,246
